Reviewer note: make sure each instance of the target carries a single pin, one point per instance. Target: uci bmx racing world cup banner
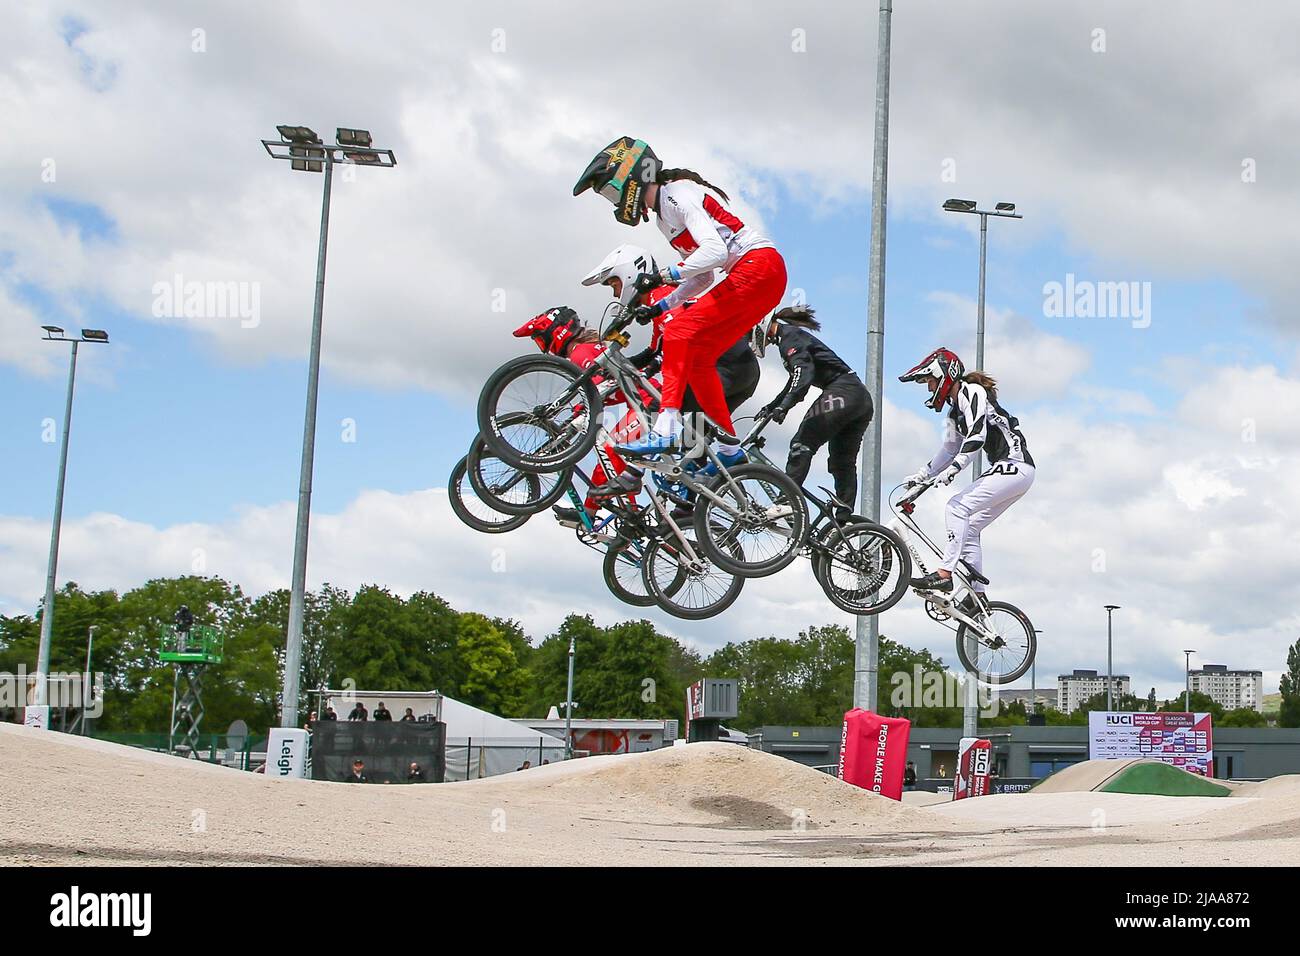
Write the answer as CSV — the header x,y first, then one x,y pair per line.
x,y
873,752
974,768
1182,740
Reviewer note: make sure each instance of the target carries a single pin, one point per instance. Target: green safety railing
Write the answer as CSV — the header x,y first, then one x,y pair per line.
x,y
200,645
213,748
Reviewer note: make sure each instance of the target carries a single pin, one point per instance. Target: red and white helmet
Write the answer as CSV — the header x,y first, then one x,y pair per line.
x,y
551,330
943,365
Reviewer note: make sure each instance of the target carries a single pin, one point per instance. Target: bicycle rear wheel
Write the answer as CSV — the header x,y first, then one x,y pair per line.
x,y
767,532
475,512
864,568
539,413
1007,655
692,593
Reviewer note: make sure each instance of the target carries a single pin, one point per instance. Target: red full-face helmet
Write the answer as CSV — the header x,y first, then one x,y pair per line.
x,y
551,330
943,365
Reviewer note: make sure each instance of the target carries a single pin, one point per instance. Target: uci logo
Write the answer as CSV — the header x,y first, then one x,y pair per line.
x,y
1125,719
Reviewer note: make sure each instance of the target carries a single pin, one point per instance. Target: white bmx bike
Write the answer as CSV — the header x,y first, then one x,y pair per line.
x,y
995,640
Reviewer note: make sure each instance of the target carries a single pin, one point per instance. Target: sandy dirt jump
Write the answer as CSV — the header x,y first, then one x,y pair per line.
x,y
67,800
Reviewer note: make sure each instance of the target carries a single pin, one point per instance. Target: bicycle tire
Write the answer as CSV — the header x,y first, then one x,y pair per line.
x,y
895,558
1022,668
541,490
456,495
541,458
711,536
657,550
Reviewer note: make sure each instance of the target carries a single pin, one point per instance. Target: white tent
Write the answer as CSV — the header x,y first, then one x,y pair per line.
x,y
481,744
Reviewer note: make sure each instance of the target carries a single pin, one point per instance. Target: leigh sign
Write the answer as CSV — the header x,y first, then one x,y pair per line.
x,y
286,753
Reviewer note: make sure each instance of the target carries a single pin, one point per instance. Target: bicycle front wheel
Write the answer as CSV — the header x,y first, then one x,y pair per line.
x,y
473,511
759,524
539,413
511,490
1006,653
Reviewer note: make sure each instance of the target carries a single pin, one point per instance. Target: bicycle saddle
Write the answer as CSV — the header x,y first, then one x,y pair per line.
x,y
974,575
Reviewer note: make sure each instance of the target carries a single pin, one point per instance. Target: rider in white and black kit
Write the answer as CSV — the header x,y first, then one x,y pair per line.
x,y
840,415
975,421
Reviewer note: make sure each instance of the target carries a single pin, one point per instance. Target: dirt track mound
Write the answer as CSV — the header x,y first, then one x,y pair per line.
x,y
746,788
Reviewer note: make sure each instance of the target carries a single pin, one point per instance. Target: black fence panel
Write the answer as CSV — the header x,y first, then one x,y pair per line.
x,y
387,748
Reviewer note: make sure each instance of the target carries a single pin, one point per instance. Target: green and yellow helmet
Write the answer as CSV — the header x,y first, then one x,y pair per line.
x,y
620,172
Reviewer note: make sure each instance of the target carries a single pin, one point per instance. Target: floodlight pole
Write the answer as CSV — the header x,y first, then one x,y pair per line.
x,y
298,585
304,149
1187,680
1110,668
866,656
51,568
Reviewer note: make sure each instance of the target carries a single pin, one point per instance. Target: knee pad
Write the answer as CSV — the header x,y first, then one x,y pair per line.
x,y
800,460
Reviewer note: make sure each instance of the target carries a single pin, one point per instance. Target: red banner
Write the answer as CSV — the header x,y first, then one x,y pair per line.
x,y
974,767
873,752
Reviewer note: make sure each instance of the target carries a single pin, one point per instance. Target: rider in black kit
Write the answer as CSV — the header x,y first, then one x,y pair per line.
x,y
839,416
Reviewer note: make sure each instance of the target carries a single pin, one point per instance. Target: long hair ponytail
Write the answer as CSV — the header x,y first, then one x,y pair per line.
x,y
988,382
800,315
673,175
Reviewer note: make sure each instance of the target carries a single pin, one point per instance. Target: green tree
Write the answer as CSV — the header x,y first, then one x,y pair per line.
x,y
1242,717
493,679
1289,714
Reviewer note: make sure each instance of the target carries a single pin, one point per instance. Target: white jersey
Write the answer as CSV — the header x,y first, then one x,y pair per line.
x,y
977,422
705,233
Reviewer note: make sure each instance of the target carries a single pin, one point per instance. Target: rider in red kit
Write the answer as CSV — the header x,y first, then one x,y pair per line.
x,y
559,331
710,238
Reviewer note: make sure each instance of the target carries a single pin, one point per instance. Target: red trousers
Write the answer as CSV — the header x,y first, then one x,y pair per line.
x,y
696,336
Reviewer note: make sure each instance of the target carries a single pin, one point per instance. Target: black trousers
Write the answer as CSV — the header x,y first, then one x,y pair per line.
x,y
838,418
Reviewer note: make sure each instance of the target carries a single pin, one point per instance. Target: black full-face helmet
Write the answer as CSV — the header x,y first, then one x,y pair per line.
x,y
621,172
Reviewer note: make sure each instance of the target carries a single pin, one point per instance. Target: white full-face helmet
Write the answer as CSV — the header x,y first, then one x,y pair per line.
x,y
624,264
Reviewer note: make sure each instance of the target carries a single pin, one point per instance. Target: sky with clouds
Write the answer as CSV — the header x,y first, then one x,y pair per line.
x,y
1145,144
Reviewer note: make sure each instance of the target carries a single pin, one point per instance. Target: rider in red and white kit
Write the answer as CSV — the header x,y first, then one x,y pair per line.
x,y
711,239
559,331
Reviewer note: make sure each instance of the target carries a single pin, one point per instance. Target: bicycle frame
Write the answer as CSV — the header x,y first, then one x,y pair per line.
x,y
905,525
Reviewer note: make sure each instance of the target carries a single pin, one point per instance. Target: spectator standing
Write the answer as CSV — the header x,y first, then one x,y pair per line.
x,y
358,774
381,713
909,776
359,712
409,715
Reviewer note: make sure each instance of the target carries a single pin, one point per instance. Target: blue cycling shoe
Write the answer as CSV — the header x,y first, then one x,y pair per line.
x,y
652,444
730,460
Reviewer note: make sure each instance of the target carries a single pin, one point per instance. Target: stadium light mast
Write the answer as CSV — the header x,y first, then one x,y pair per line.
x,y
866,655
1187,680
55,334
306,153
1110,679
1003,210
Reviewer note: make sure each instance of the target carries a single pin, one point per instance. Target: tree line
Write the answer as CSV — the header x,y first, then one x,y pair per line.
x,y
378,640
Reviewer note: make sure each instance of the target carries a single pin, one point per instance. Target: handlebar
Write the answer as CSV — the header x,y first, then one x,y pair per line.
x,y
907,503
